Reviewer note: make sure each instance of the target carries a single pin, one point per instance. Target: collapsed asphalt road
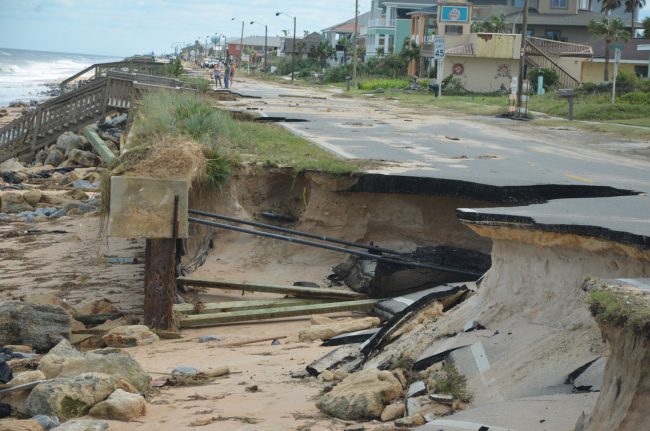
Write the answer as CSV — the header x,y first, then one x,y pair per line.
x,y
466,149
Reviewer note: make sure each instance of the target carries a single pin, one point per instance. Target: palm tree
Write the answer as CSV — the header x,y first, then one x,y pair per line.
x,y
632,6
610,30
608,6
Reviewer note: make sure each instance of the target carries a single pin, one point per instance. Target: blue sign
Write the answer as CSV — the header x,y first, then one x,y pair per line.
x,y
454,14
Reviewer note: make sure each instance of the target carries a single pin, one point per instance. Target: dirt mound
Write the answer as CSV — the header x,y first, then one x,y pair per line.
x,y
168,158
622,315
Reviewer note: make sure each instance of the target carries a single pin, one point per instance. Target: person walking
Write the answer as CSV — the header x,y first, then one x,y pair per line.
x,y
217,76
232,73
226,76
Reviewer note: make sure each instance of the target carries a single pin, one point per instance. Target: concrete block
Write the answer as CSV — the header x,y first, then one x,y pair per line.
x,y
144,207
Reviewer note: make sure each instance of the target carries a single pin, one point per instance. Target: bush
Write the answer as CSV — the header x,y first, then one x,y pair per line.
x,y
338,73
174,68
636,98
374,84
550,77
200,84
453,86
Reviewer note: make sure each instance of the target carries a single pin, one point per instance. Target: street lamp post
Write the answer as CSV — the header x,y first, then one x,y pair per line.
x,y
266,32
293,50
241,39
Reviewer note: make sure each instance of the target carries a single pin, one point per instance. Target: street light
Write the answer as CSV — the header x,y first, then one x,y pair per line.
x,y
266,32
241,39
225,43
293,53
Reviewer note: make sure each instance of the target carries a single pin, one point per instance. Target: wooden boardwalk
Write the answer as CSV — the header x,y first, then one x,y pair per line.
x,y
37,129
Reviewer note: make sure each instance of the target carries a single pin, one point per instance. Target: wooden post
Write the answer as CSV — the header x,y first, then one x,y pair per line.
x,y
159,278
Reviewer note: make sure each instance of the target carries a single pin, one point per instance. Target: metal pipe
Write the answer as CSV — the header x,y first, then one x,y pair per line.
x,y
293,231
335,248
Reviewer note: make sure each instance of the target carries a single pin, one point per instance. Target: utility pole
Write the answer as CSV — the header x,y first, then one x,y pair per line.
x,y
241,42
293,54
522,58
354,53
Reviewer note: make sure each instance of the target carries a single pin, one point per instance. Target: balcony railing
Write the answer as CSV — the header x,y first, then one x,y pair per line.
x,y
381,22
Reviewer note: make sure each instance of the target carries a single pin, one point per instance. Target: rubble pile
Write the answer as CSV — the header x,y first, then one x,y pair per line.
x,y
63,179
46,381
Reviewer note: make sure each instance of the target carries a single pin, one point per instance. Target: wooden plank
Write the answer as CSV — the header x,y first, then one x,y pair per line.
x,y
160,264
219,307
199,320
306,292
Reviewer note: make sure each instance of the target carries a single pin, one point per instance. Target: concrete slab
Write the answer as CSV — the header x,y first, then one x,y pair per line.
x,y
622,219
542,413
144,207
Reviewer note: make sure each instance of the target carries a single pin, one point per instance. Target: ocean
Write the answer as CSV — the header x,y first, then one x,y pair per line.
x,y
29,75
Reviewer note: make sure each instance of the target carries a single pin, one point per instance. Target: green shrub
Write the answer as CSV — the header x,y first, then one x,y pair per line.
x,y
453,86
173,68
373,84
636,98
550,77
200,84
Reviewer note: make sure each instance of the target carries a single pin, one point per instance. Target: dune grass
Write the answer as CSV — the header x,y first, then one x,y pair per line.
x,y
621,308
227,141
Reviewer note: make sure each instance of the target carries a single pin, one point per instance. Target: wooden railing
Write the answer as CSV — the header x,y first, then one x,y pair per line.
x,y
99,70
535,57
562,49
41,127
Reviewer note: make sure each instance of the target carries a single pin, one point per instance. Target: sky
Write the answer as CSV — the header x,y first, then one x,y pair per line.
x,y
125,27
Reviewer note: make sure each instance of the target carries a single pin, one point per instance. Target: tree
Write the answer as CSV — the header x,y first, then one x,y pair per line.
x,y
493,24
608,6
632,6
321,53
611,30
645,24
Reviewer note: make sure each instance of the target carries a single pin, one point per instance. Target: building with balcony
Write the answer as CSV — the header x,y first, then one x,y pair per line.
x,y
389,24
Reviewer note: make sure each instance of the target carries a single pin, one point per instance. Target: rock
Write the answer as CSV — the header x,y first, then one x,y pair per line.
x,y
47,422
40,157
327,331
48,298
184,370
83,425
64,360
413,406
410,421
400,375
326,376
100,306
355,427
17,399
41,326
20,348
76,325
68,141
208,338
121,406
78,208
70,397
318,319
129,336
13,202
111,324
11,165
83,158
32,197
54,157
361,395
392,412
68,164
384,427
20,425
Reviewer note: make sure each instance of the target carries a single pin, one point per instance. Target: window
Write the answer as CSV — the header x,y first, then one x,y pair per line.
x,y
641,71
530,32
559,4
552,34
518,3
454,29
584,4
